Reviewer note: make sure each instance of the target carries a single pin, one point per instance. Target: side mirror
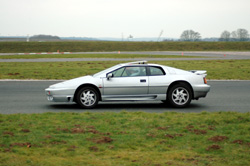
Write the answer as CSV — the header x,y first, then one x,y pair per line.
x,y
109,75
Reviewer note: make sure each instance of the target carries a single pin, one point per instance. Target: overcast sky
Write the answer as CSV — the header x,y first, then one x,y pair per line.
x,y
114,18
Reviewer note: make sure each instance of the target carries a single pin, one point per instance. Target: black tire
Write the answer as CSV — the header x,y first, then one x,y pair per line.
x,y
179,95
87,97
165,101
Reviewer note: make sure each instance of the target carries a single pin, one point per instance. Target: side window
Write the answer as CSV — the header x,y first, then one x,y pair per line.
x,y
156,71
134,71
118,73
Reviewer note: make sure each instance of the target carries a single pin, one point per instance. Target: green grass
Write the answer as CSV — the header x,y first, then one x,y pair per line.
x,y
94,56
124,138
216,69
99,46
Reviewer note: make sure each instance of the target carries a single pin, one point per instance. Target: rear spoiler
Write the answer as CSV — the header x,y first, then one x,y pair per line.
x,y
199,72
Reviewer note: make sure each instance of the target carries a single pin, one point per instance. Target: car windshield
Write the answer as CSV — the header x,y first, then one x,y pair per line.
x,y
106,71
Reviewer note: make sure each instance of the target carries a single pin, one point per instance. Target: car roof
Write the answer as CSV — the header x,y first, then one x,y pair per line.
x,y
139,63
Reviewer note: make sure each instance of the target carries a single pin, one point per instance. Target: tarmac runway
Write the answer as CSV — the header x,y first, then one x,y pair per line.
x,y
29,97
201,56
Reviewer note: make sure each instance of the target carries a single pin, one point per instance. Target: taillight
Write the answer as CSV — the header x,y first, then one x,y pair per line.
x,y
205,80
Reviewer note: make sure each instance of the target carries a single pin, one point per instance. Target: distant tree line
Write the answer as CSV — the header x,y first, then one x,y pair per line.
x,y
44,38
238,35
190,35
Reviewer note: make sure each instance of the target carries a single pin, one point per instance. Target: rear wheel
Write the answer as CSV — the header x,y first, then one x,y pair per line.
x,y
179,95
87,97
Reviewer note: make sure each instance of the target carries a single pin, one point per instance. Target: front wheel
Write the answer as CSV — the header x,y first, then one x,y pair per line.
x,y
179,95
87,97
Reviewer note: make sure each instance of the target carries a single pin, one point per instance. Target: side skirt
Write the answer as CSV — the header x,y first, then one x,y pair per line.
x,y
132,97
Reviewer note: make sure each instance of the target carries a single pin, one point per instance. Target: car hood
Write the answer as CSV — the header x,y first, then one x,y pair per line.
x,y
73,82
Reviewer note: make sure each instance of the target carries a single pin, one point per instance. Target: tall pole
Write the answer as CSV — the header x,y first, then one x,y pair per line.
x,y
28,38
160,35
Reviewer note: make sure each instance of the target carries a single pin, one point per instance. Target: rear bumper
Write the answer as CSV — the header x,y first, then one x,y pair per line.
x,y
201,90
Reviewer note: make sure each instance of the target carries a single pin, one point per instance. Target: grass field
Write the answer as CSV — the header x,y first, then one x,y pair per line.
x,y
124,138
135,138
216,69
93,56
91,46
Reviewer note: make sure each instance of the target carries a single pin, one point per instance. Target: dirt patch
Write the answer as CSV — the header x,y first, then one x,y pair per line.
x,y
101,140
218,138
111,147
7,150
189,127
151,135
2,145
173,136
198,131
163,142
93,148
211,127
63,129
27,144
90,127
192,129
248,144
104,140
94,131
168,163
8,133
25,130
77,130
214,147
169,136
13,74
77,125
162,128
21,125
179,135
238,142
58,142
71,148
107,133
48,136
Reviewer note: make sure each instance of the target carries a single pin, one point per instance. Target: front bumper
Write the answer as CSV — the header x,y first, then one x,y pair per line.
x,y
57,98
60,95
201,90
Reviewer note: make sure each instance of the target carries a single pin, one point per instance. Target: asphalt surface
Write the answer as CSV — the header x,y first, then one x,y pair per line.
x,y
29,97
202,56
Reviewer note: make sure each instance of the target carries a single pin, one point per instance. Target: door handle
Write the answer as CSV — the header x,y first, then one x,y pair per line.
x,y
142,80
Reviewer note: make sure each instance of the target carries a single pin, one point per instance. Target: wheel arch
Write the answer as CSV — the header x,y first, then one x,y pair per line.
x,y
87,85
181,82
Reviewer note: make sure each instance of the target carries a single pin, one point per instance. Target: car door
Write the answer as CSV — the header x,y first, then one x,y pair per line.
x,y
158,81
126,82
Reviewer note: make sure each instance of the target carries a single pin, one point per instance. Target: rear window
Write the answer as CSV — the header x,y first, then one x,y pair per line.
x,y
156,71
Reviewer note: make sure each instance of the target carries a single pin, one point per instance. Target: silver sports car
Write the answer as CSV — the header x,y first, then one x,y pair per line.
x,y
135,81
